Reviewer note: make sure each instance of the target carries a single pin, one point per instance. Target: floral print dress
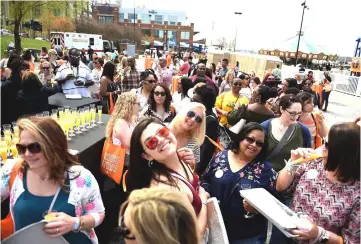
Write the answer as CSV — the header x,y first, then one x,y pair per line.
x,y
220,182
84,193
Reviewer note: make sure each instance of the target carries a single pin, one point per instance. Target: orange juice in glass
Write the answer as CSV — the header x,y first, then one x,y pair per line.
x,y
100,112
14,150
49,216
4,153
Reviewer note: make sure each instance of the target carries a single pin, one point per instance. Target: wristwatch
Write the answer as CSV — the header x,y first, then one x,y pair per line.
x,y
81,224
324,237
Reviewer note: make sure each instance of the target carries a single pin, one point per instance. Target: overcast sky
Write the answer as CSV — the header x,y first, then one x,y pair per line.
x,y
335,25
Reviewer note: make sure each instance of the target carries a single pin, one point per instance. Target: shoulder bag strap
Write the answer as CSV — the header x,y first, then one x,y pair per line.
x,y
282,142
184,180
221,148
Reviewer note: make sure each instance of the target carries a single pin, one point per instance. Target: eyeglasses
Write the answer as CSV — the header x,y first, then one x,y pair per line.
x,y
192,114
157,93
124,231
251,140
237,84
152,142
74,56
294,114
32,147
150,81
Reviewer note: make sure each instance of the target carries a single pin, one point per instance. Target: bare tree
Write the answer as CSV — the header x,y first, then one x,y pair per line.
x,y
222,42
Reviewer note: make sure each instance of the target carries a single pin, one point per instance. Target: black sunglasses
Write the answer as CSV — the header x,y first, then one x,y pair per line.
x,y
192,114
251,140
46,67
123,230
150,81
32,147
157,93
237,84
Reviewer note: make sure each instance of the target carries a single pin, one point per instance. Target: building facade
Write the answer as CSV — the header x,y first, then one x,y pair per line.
x,y
166,29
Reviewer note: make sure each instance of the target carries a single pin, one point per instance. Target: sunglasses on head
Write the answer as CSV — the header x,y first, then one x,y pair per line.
x,y
157,93
251,140
32,147
124,231
192,114
152,142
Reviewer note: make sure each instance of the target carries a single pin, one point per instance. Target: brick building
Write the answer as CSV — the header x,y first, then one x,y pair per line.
x,y
165,27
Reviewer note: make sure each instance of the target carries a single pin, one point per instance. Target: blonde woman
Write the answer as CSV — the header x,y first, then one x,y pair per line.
x,y
48,171
189,127
46,73
158,215
122,67
226,85
123,121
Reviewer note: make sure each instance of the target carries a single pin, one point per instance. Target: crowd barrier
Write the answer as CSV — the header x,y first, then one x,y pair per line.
x,y
340,82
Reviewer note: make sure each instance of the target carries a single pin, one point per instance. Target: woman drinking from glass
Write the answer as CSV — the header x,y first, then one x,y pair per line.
x,y
243,166
48,173
327,190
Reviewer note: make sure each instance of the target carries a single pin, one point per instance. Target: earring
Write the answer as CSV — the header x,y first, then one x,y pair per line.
x,y
150,163
257,100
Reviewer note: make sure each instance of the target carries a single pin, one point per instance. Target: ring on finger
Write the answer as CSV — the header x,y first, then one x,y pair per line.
x,y
57,230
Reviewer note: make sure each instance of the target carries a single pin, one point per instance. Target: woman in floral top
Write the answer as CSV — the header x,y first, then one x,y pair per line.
x,y
241,167
328,189
48,172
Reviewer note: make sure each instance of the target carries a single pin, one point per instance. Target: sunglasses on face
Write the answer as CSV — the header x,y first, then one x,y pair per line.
x,y
294,114
237,84
46,67
152,142
74,56
124,231
197,118
157,93
251,140
32,147
307,84
150,81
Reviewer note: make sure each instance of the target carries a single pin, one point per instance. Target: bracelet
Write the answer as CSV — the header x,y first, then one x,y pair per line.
x,y
76,225
291,168
81,220
204,202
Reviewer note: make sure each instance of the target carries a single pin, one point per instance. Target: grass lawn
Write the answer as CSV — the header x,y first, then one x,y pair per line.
x,y
25,43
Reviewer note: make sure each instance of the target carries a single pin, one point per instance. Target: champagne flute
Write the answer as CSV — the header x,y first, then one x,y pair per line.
x,y
248,215
77,122
93,116
4,154
14,150
46,114
61,113
82,117
100,111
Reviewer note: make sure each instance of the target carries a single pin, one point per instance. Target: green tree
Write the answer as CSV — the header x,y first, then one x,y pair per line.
x,y
19,10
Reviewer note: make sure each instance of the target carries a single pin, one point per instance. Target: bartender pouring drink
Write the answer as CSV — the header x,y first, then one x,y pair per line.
x,y
75,76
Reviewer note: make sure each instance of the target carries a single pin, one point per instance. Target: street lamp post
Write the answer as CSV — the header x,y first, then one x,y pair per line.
x,y
304,6
235,38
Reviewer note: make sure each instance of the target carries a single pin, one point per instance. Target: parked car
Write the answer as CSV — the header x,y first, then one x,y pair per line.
x,y
5,32
26,35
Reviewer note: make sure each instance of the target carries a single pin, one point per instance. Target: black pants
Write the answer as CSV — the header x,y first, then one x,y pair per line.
x,y
325,96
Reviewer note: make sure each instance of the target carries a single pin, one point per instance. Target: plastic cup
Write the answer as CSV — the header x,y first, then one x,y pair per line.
x,y
49,216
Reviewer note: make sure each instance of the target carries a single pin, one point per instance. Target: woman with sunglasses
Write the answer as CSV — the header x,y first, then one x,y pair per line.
x,y
33,97
227,101
298,135
97,70
109,86
314,120
245,89
189,127
159,104
155,161
159,216
47,174
46,73
327,189
242,166
307,87
148,80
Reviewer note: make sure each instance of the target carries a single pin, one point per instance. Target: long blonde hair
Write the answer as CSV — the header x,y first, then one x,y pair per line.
x,y
230,72
123,109
199,132
53,144
159,215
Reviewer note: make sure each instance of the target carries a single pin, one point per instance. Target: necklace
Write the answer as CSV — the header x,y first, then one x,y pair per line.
x,y
41,177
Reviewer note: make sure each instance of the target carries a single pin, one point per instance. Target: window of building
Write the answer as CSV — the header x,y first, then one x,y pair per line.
x,y
145,19
172,35
172,20
159,19
132,18
158,33
121,17
91,41
146,32
105,19
185,35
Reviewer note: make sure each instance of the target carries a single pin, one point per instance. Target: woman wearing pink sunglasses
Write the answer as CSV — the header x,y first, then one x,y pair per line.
x,y
155,161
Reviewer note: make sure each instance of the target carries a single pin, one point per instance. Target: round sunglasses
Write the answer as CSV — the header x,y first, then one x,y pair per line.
x,y
152,142
191,114
251,140
32,147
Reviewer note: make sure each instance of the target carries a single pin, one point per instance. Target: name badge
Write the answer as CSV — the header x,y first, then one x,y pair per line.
x,y
219,173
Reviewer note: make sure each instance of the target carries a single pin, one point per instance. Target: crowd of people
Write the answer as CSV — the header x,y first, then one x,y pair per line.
x,y
220,132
